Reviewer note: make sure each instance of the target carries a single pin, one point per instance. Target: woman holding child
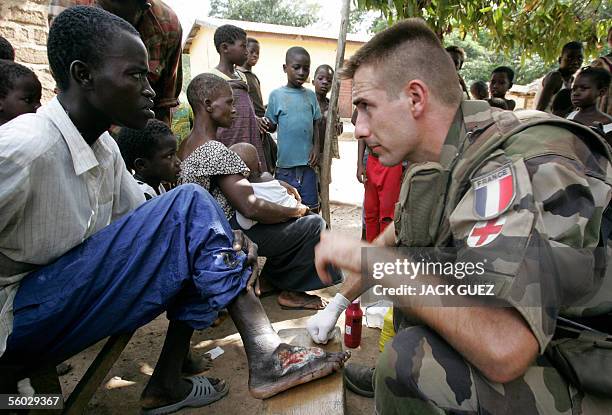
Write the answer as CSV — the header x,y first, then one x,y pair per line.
x,y
286,236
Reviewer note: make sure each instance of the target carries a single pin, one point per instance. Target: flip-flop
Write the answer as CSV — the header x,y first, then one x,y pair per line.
x,y
202,393
314,300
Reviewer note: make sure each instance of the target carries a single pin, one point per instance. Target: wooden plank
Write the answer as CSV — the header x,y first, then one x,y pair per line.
x,y
323,396
97,371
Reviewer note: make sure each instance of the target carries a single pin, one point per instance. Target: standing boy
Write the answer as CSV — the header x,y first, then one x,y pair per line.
x,y
457,54
295,111
231,42
556,82
323,77
500,83
590,85
20,91
605,62
269,146
246,68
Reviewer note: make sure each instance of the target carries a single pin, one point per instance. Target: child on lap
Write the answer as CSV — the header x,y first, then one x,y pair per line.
x,y
264,185
295,111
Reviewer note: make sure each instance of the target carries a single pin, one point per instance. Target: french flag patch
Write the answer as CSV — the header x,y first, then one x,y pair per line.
x,y
494,192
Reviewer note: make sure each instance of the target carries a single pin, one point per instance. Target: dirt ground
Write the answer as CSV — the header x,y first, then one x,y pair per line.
x,y
120,392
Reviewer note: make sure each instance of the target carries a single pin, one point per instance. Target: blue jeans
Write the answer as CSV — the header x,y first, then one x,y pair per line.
x,y
174,253
304,179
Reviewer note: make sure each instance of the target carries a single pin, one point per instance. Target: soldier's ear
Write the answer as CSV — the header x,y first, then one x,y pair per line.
x,y
417,93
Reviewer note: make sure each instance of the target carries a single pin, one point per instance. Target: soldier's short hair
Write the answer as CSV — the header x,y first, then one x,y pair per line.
x,y
406,51
204,86
599,76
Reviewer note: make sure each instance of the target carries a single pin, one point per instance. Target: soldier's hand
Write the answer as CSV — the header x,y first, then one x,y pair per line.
x,y
321,325
338,251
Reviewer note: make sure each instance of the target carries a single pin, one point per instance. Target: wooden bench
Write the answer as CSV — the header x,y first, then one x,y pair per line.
x,y
323,396
47,381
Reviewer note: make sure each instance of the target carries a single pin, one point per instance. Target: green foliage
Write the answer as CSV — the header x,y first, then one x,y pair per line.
x,y
482,59
280,12
526,27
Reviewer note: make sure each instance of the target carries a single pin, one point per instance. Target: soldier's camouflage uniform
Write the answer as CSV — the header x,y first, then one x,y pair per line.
x,y
561,189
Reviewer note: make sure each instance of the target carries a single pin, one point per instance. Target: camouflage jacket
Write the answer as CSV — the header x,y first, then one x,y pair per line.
x,y
525,192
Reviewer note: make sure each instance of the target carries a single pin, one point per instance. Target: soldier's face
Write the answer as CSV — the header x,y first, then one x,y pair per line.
x,y
384,122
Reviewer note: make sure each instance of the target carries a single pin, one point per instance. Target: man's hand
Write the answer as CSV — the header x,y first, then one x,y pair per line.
x,y
339,251
291,190
243,243
361,176
313,159
321,325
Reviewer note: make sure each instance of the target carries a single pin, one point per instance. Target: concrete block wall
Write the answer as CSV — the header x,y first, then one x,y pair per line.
x,y
24,24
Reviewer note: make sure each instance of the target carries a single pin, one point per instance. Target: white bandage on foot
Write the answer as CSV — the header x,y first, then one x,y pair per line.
x,y
321,325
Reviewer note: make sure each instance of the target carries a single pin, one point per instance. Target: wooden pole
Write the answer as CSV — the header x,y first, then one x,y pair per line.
x,y
330,128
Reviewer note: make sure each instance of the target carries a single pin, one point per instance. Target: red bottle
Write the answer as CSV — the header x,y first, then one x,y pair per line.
x,y
352,328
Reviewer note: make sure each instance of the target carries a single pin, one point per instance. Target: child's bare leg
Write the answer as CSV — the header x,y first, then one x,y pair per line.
x,y
275,366
167,385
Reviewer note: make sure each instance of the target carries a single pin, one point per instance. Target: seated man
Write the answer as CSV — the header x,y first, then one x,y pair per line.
x,y
161,33
522,199
69,277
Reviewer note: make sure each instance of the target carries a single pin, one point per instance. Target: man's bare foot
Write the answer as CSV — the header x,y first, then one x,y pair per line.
x,y
290,366
194,365
300,301
156,396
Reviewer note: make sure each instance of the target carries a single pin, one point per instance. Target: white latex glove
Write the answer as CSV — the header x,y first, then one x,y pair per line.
x,y
321,325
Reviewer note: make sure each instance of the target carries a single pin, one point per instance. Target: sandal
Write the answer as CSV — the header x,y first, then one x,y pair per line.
x,y
202,393
300,301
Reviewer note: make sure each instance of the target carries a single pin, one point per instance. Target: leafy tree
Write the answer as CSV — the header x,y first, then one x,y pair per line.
x,y
482,59
265,11
528,27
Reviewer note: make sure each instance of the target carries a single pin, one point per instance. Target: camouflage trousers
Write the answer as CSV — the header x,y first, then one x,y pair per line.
x,y
419,373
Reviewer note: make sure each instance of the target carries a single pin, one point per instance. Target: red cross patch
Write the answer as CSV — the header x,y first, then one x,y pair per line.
x,y
485,232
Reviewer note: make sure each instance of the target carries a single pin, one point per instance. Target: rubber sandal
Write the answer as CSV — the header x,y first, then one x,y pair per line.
x,y
358,379
202,393
307,305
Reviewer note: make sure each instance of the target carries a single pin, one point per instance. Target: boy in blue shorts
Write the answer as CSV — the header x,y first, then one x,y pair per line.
x,y
295,111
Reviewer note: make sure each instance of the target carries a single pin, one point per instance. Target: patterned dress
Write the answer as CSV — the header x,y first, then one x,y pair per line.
x,y
212,159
